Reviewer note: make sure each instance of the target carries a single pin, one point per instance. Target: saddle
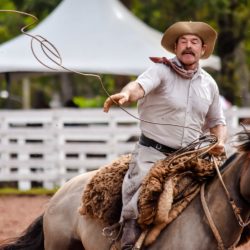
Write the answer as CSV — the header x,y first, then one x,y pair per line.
x,y
102,197
166,191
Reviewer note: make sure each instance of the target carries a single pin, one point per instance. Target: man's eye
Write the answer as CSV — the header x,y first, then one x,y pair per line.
x,y
195,42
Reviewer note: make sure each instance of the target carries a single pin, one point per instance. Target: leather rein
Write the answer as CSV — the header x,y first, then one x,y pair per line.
x,y
235,209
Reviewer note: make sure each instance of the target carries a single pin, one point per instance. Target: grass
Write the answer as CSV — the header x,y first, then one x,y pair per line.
x,y
30,192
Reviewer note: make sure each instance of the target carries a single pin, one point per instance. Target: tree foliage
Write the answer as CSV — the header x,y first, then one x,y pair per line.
x,y
231,18
11,23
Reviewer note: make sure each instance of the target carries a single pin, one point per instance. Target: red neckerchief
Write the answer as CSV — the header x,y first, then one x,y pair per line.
x,y
187,74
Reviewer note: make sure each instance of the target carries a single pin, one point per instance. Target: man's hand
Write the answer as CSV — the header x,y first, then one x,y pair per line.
x,y
219,149
132,92
120,99
220,131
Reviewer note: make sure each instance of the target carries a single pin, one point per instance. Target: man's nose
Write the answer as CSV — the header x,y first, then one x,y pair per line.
x,y
188,44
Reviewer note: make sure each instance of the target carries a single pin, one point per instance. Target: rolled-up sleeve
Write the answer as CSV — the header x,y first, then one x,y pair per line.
x,y
151,78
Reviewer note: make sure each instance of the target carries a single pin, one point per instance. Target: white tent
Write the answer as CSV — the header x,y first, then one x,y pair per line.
x,y
99,36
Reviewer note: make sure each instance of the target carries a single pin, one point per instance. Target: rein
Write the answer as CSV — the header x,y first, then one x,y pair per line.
x,y
235,209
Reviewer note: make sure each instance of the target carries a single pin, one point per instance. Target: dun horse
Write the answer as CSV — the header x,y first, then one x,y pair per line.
x,y
61,227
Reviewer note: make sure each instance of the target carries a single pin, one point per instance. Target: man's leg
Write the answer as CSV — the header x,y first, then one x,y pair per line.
x,y
142,160
131,233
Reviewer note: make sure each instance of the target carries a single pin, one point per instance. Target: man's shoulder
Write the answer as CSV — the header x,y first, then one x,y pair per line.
x,y
161,65
206,76
160,69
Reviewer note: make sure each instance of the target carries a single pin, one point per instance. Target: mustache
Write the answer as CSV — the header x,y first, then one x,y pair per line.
x,y
188,51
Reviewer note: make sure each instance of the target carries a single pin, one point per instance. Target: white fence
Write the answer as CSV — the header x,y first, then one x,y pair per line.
x,y
49,147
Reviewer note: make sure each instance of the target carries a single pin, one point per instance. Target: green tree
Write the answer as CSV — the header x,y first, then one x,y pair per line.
x,y
10,26
230,17
11,23
39,8
232,20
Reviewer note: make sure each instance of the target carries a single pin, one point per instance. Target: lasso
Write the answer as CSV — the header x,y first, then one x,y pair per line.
x,y
51,51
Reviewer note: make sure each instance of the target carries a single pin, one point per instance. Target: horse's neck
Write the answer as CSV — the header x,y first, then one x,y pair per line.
x,y
220,207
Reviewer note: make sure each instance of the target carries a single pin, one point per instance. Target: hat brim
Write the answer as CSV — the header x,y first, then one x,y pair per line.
x,y
200,29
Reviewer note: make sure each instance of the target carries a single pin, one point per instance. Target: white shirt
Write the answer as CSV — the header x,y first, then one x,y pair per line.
x,y
193,104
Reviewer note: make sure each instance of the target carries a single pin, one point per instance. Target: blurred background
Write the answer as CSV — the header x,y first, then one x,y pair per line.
x,y
51,122
229,17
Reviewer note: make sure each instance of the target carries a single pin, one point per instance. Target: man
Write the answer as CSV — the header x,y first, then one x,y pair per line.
x,y
175,92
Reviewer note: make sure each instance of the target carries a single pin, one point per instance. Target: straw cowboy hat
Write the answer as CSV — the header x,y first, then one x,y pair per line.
x,y
202,30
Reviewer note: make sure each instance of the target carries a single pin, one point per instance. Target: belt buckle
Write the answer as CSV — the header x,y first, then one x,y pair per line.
x,y
158,146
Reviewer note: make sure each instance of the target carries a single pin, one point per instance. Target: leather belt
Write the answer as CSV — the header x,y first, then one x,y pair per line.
x,y
147,142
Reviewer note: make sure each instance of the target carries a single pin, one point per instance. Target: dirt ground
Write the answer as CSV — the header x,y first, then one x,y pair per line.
x,y
16,213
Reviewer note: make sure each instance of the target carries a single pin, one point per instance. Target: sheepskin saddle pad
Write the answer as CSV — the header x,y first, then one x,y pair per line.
x,y
102,197
167,189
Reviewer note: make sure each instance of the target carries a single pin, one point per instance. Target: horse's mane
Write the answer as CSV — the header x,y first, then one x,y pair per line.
x,y
244,141
243,146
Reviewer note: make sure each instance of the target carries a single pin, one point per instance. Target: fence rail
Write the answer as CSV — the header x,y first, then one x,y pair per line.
x,y
48,147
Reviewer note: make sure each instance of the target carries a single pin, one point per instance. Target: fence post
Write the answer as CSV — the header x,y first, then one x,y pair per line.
x,y
25,183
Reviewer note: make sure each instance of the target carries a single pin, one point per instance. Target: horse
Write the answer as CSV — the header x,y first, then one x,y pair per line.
x,y
62,227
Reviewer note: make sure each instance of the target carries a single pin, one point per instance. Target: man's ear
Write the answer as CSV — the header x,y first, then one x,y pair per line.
x,y
175,45
204,47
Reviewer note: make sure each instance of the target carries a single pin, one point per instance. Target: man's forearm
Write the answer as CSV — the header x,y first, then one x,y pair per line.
x,y
220,131
134,90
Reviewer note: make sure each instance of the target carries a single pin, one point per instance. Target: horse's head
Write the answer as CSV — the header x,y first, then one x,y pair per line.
x,y
244,149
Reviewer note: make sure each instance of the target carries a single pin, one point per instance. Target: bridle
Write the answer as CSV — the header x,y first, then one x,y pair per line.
x,y
235,209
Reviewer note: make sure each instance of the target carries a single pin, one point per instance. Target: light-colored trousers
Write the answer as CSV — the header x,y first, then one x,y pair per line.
x,y
142,160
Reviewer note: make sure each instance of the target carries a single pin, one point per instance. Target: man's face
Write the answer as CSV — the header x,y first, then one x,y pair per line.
x,y
189,49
